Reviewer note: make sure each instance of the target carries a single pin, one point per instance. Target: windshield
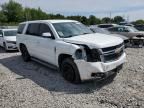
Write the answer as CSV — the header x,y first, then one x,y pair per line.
x,y
70,29
132,29
10,33
100,30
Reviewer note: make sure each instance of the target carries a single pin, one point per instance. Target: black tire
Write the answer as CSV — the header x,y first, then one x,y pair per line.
x,y
25,54
70,71
5,47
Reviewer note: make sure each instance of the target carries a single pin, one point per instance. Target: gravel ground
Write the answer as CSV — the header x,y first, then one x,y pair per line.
x,y
31,85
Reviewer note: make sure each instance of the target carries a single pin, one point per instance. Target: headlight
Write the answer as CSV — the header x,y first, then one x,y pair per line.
x,y
81,53
78,54
93,55
87,54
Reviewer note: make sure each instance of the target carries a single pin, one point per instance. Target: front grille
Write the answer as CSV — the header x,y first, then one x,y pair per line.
x,y
112,48
113,53
113,56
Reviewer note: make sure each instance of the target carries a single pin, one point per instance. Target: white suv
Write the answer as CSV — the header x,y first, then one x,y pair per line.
x,y
70,46
8,39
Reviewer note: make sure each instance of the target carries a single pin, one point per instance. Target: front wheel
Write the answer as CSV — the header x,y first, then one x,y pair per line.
x,y
70,71
25,53
5,47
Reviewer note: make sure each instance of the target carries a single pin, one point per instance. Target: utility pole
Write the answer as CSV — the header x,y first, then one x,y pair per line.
x,y
110,16
127,18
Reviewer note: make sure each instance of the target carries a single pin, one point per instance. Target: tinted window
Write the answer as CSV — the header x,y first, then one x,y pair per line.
x,y
113,29
139,27
1,32
100,30
105,26
44,29
33,29
21,28
123,29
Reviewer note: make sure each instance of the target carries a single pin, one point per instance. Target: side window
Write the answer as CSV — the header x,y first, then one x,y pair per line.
x,y
44,29
20,28
33,29
126,30
1,33
113,29
121,29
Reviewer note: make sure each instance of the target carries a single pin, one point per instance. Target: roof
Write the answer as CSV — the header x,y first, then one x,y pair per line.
x,y
50,21
7,29
108,24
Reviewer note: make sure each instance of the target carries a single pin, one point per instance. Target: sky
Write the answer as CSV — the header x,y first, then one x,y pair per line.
x,y
130,9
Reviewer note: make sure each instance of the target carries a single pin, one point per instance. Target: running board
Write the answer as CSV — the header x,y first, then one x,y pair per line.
x,y
44,63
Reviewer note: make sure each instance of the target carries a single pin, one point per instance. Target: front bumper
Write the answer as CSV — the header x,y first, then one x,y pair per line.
x,y
11,46
86,69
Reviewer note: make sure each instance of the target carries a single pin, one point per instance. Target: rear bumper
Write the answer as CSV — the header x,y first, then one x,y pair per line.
x,y
88,69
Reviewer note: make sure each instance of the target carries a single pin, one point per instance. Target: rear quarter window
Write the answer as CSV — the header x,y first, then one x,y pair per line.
x,y
21,28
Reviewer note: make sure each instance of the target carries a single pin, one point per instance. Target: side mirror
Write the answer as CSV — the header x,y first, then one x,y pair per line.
x,y
48,34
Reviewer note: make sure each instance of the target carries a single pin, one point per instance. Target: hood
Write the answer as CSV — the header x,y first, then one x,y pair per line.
x,y
10,38
95,40
121,36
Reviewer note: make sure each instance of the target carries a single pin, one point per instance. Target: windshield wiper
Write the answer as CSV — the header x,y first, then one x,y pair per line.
x,y
68,36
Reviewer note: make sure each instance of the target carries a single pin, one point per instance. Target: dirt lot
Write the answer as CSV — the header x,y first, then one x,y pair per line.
x,y
31,85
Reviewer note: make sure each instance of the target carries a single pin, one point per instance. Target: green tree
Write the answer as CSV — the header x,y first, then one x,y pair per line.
x,y
13,11
35,14
93,20
118,19
106,20
3,18
59,16
84,20
139,22
78,18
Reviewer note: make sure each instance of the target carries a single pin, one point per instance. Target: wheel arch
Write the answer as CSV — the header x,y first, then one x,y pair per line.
x,y
61,57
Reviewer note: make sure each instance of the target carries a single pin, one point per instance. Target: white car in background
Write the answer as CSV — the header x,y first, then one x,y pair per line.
x,y
8,39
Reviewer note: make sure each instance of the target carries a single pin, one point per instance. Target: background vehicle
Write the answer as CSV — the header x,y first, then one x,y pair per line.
x,y
72,47
139,27
135,36
8,39
106,25
96,29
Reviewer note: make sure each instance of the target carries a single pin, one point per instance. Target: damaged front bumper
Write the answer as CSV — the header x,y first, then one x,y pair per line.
x,y
92,70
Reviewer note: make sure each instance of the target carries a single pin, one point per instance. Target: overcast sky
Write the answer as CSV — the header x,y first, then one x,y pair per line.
x,y
100,8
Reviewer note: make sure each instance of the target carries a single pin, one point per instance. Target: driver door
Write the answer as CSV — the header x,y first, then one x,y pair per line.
x,y
46,46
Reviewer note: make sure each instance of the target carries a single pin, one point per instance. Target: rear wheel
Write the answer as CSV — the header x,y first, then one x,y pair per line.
x,y
25,54
70,71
